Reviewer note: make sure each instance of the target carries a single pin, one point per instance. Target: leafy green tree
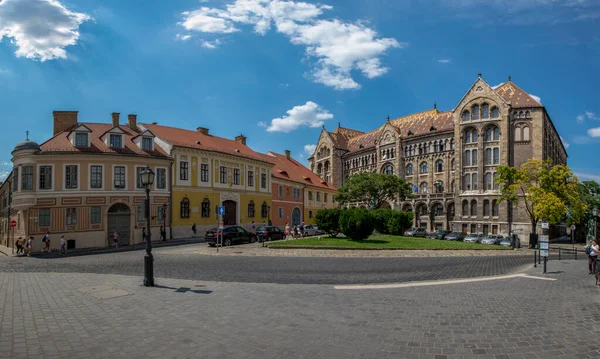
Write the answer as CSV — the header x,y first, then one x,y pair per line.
x,y
389,221
549,192
356,223
590,195
372,188
328,220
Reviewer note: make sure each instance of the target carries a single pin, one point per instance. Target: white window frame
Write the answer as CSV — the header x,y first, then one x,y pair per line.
x,y
280,191
90,177
151,143
113,178
64,179
109,142
136,178
177,170
166,179
38,177
200,181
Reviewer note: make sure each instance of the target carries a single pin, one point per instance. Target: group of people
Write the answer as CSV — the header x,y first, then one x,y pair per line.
x,y
294,231
25,247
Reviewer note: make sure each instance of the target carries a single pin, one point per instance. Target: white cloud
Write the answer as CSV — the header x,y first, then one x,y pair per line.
x,y
310,114
211,44
444,61
310,149
565,143
337,47
4,174
262,124
40,29
284,85
537,98
587,176
580,118
594,132
587,115
183,37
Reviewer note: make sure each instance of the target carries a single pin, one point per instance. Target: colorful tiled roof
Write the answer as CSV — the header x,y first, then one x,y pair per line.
x,y
197,140
292,170
342,135
366,140
516,96
61,143
422,123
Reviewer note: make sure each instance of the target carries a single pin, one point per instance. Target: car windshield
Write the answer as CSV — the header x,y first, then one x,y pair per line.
x,y
261,229
441,232
472,235
490,237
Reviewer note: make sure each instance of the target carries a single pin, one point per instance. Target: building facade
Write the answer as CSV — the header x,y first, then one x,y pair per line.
x,y
451,158
211,171
84,183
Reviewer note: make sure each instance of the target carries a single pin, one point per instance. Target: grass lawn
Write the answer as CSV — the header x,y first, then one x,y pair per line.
x,y
382,242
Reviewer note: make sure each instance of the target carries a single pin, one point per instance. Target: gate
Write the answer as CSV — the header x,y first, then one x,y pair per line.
x,y
119,220
296,216
230,213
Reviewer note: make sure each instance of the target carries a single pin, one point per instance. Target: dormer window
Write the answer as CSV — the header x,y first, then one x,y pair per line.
x,y
116,141
147,143
81,139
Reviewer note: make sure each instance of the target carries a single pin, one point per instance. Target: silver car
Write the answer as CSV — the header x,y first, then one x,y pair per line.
x,y
310,230
491,239
473,238
416,232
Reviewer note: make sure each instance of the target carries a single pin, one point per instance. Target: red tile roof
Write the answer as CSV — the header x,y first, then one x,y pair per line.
x,y
516,96
292,170
422,123
61,143
200,141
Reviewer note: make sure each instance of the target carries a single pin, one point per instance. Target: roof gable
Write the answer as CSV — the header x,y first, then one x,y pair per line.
x,y
80,128
514,95
292,170
145,133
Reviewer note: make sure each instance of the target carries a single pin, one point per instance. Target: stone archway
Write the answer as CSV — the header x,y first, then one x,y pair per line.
x,y
119,220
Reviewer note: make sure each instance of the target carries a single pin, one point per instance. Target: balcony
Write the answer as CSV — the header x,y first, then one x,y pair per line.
x,y
23,200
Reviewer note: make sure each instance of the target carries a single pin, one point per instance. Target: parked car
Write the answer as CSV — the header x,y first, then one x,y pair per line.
x,y
416,232
431,235
455,236
269,233
492,239
473,238
441,234
318,231
506,241
310,230
231,235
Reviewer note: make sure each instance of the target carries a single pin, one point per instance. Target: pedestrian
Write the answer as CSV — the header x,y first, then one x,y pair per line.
x,y
116,239
143,234
287,230
194,230
163,234
19,245
29,246
253,227
302,229
63,245
594,249
46,240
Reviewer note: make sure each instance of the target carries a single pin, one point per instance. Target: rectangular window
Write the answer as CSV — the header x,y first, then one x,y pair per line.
x,y
205,209
115,141
15,180
81,139
280,191
138,178
71,216
161,178
96,176
324,197
223,174
263,180
27,178
71,176
236,176
184,209
318,196
96,215
183,170
44,217
119,177
467,158
204,172
280,212
310,215
250,178
147,143
496,156
45,177
141,214
310,195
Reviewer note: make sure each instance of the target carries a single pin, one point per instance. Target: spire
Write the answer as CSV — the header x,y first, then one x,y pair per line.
x,y
434,105
339,124
387,118
27,135
479,75
509,78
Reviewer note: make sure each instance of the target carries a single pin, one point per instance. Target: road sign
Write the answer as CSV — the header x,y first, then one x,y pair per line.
x,y
543,253
545,225
13,223
221,210
572,227
221,224
543,238
543,245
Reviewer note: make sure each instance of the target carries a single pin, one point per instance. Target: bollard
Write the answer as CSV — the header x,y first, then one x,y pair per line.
x,y
534,259
558,253
539,256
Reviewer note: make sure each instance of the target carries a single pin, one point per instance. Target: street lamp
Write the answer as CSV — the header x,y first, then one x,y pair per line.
x,y
147,179
269,215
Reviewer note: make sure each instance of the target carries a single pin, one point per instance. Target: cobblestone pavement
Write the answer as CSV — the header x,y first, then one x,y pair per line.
x,y
84,315
190,262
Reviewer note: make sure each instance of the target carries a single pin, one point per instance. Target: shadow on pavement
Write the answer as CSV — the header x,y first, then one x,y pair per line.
x,y
184,289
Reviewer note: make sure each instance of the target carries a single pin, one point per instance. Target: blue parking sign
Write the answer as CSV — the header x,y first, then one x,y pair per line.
x,y
221,210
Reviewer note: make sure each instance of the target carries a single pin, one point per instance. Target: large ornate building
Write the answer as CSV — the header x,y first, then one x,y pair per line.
x,y
450,158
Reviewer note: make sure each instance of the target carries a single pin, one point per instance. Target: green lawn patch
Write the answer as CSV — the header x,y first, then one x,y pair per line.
x,y
380,242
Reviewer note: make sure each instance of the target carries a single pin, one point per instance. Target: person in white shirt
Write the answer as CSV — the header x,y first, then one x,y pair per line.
x,y
593,256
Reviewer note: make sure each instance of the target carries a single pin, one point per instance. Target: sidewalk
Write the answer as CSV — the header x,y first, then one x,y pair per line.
x,y
86,251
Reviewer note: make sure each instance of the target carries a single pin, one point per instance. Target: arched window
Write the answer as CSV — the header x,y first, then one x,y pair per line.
x,y
438,186
438,210
526,133
496,155
488,156
473,208
465,208
487,181
517,133
452,164
495,112
205,208
388,169
409,169
495,183
406,151
467,182
475,136
496,134
423,168
467,158
452,144
439,166
468,137
486,208
251,209
466,116
326,166
423,187
474,181
476,112
495,208
184,208
436,147
492,134
319,169
473,157
263,210
485,111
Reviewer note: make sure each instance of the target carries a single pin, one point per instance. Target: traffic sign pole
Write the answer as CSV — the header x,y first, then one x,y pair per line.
x,y
13,224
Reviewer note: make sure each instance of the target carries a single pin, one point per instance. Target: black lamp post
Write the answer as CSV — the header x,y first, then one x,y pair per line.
x,y
147,179
164,222
269,215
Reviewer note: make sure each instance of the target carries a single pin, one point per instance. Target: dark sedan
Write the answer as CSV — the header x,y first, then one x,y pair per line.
x,y
231,235
455,236
269,233
441,234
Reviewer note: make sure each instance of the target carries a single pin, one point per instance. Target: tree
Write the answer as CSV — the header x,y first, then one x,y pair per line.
x,y
590,195
389,221
549,192
373,189
356,223
328,220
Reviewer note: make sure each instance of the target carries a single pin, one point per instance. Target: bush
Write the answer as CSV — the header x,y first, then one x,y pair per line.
x,y
357,223
389,221
328,220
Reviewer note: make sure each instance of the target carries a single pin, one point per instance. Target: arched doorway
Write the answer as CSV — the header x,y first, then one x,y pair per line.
x,y
296,216
230,217
119,220
385,205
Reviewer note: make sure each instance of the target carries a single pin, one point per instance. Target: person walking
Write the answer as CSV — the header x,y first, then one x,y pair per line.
x,y
19,245
29,246
144,234
594,249
287,231
253,227
63,245
301,229
46,240
194,230
163,234
116,239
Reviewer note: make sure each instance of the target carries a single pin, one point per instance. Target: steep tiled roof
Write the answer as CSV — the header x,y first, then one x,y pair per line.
x,y
516,96
200,141
61,143
341,136
421,123
365,140
347,132
292,170
339,141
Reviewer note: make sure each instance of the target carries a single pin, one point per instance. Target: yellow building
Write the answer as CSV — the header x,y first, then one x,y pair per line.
x,y
211,171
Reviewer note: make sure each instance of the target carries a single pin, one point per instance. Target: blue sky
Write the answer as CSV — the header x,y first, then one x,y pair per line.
x,y
276,71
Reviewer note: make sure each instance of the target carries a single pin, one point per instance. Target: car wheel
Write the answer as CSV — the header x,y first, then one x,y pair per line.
x,y
227,242
252,239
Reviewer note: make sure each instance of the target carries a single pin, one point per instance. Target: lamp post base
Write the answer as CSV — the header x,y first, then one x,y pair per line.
x,y
149,270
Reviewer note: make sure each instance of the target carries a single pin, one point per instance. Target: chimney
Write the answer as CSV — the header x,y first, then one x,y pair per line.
x,y
241,139
288,154
115,119
132,121
63,120
202,130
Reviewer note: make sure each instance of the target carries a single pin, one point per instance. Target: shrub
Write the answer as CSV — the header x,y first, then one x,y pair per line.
x,y
356,223
328,220
389,221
